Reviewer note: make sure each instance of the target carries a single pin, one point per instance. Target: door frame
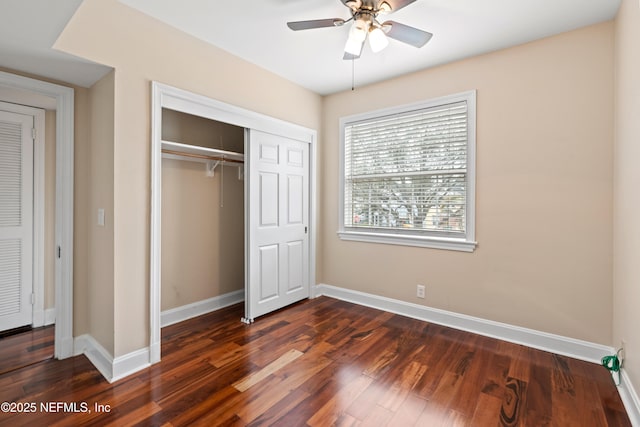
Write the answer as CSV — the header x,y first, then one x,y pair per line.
x,y
165,96
63,265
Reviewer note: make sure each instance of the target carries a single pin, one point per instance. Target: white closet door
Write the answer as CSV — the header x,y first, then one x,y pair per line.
x,y
16,219
278,240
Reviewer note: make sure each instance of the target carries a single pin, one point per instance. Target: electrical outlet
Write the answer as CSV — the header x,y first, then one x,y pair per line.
x,y
420,291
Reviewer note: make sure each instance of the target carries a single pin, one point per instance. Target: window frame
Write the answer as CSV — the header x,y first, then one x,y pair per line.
x,y
424,239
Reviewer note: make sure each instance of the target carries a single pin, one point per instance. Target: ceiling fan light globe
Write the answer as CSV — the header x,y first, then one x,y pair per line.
x,y
359,30
353,46
378,40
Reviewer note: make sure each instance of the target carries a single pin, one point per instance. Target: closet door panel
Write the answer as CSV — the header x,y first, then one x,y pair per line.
x,y
278,243
269,272
269,199
295,276
295,199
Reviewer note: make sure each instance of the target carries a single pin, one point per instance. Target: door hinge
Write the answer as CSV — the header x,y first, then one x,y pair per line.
x,y
33,299
305,229
59,252
33,133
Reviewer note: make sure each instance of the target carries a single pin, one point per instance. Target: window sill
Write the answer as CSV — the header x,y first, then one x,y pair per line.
x,y
451,244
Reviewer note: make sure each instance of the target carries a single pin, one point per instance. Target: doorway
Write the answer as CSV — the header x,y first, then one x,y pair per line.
x,y
26,286
23,90
167,97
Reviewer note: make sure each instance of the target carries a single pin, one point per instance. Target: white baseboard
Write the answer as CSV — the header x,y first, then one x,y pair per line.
x,y
629,398
49,316
189,311
44,317
111,369
130,363
558,344
96,353
38,318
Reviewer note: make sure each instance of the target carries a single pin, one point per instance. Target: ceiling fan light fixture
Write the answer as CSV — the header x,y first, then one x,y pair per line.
x,y
359,30
378,40
354,46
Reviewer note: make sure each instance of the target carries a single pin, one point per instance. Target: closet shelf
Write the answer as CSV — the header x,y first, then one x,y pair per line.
x,y
179,151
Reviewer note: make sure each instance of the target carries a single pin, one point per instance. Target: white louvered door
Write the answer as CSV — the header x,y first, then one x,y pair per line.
x,y
16,219
278,243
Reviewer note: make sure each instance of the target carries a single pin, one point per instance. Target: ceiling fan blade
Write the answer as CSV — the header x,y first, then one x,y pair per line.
x,y
406,34
316,23
395,4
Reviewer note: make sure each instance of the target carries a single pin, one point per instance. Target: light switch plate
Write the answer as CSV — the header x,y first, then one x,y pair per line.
x,y
101,217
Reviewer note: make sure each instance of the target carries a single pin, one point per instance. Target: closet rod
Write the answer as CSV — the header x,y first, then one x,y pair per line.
x,y
201,156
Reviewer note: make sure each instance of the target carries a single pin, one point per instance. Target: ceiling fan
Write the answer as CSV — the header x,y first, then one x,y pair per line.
x,y
364,15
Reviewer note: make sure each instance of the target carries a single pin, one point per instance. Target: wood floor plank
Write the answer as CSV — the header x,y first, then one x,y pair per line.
x,y
511,412
487,411
398,392
280,409
338,404
365,403
378,416
537,409
256,377
325,362
409,411
26,348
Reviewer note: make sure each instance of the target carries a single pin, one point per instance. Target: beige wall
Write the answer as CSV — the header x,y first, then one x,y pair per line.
x,y
626,272
142,49
544,190
202,226
100,293
202,242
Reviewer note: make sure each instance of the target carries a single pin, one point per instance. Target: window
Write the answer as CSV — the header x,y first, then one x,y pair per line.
x,y
408,174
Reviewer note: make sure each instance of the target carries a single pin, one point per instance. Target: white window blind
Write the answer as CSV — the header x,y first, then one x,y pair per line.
x,y
407,173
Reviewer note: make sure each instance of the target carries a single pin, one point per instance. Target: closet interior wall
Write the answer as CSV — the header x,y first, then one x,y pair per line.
x,y
202,217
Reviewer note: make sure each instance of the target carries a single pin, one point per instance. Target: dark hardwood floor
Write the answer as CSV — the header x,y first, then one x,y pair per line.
x,y
26,348
324,362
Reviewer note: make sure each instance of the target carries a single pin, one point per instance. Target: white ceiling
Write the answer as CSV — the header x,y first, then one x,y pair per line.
x,y
256,31
28,30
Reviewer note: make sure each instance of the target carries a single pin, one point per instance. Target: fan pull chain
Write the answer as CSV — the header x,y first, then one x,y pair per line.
x,y
353,74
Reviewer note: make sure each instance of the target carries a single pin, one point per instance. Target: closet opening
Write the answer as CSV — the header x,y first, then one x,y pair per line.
x,y
239,221
202,216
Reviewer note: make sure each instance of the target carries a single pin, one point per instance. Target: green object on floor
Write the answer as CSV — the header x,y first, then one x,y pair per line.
x,y
612,363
